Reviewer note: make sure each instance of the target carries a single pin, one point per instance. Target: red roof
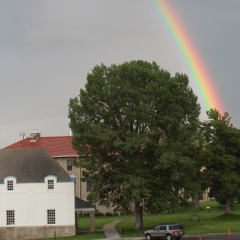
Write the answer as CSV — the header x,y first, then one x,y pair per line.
x,y
55,146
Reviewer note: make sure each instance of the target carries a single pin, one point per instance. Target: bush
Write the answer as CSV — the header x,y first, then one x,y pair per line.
x,y
108,214
99,214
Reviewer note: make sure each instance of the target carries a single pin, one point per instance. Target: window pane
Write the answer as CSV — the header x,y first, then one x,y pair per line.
x,y
163,227
157,227
51,217
50,184
89,186
10,185
69,165
10,217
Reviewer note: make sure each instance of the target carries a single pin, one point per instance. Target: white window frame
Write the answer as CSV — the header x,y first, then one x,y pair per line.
x,y
10,185
10,182
51,216
50,182
10,217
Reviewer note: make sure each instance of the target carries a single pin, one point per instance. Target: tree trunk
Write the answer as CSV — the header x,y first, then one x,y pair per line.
x,y
232,205
198,202
228,205
138,213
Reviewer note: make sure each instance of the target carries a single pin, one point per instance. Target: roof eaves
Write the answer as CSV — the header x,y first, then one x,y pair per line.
x,y
61,156
85,209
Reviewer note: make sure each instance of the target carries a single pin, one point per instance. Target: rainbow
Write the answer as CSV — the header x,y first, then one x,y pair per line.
x,y
198,72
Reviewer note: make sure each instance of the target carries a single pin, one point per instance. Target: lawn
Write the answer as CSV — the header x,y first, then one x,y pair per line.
x,y
214,221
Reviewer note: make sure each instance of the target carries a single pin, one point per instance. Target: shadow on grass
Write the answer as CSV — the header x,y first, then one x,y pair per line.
x,y
228,217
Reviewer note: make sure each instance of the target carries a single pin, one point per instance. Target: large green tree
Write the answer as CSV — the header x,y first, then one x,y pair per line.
x,y
221,157
135,124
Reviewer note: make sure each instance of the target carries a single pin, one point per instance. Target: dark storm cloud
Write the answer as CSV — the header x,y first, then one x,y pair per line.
x,y
48,47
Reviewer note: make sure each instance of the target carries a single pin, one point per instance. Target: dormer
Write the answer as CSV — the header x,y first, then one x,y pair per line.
x,y
10,182
50,181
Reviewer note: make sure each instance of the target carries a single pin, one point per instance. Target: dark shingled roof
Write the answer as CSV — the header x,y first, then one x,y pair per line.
x,y
81,204
30,165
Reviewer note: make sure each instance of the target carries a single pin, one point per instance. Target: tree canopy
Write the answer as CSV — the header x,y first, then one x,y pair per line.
x,y
221,157
135,125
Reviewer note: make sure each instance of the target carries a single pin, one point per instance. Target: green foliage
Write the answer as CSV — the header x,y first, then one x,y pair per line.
x,y
99,214
109,214
135,125
221,157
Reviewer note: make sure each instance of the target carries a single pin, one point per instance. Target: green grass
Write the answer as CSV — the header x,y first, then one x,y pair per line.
x,y
84,222
214,221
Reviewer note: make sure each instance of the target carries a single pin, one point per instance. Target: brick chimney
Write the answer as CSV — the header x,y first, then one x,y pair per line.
x,y
34,135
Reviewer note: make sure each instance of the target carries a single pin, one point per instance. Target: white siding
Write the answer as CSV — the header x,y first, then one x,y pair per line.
x,y
30,202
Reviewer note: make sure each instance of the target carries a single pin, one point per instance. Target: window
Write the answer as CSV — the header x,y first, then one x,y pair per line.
x,y
10,217
157,228
89,186
10,185
51,217
50,184
163,228
69,165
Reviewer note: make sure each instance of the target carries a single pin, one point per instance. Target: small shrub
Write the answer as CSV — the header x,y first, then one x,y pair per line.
x,y
108,214
115,214
99,214
126,212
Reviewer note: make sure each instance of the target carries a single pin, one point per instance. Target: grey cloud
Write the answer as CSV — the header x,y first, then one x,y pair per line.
x,y
48,47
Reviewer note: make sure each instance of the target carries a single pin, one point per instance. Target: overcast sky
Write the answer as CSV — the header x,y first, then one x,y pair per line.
x,y
48,46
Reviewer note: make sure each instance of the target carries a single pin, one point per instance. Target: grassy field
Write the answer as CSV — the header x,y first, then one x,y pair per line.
x,y
214,221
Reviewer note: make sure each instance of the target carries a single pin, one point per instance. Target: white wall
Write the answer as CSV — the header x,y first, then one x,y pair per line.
x,y
30,202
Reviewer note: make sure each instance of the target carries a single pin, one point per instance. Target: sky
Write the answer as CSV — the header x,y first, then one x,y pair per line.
x,y
49,46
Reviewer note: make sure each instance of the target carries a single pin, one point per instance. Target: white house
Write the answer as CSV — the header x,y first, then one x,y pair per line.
x,y
37,196
60,148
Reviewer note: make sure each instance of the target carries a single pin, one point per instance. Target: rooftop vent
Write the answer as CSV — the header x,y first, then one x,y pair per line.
x,y
22,134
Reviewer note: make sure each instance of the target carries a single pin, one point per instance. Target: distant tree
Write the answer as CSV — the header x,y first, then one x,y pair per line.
x,y
199,176
135,124
222,157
